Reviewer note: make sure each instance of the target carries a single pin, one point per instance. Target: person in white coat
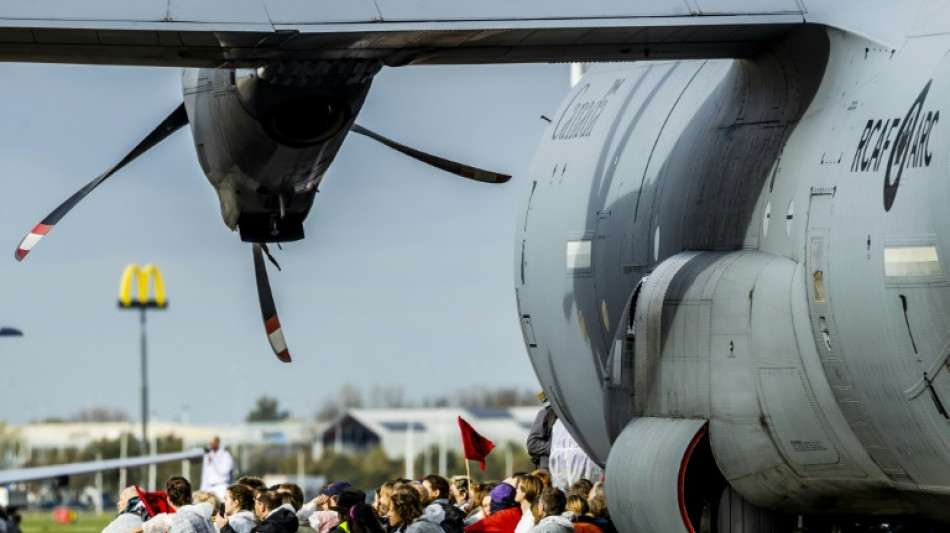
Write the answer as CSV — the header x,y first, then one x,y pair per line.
x,y
216,469
568,462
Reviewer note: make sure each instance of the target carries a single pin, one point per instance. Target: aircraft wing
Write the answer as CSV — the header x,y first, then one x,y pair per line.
x,y
215,33
21,475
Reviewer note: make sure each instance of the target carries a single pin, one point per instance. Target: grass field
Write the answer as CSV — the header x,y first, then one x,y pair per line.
x,y
42,522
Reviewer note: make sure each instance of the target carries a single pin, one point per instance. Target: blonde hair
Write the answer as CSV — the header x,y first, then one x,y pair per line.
x,y
598,502
201,496
385,492
543,475
461,485
576,505
532,486
479,491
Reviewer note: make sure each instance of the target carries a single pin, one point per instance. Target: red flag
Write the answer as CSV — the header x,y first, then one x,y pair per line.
x,y
476,446
155,502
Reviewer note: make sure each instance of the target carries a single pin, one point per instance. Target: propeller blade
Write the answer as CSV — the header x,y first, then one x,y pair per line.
x,y
451,167
275,335
171,124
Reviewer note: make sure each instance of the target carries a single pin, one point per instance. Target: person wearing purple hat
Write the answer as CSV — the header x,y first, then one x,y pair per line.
x,y
505,513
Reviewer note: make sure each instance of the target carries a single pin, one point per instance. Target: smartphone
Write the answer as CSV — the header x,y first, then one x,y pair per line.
x,y
221,509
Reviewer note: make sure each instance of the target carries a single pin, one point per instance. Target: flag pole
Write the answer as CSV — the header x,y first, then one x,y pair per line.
x,y
468,474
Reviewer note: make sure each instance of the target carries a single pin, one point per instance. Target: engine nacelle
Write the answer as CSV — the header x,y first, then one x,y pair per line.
x,y
265,137
725,338
661,472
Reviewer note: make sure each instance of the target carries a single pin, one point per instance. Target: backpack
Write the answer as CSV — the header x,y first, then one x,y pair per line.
x,y
454,521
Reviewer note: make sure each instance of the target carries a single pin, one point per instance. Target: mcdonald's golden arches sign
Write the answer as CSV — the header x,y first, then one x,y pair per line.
x,y
141,276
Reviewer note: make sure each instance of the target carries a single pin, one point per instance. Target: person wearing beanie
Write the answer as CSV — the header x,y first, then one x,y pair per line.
x,y
505,513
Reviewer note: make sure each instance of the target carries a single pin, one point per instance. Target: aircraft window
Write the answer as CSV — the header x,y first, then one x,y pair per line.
x,y
578,255
911,261
818,279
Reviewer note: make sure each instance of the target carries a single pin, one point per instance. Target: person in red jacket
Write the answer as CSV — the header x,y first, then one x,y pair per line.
x,y
505,513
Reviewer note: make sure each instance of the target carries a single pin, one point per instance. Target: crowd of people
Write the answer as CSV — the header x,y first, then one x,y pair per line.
x,y
560,496
523,503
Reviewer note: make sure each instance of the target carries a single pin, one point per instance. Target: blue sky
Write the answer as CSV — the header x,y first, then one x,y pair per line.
x,y
404,280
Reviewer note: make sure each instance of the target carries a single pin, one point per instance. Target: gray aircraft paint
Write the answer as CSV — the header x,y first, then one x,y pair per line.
x,y
664,313
803,403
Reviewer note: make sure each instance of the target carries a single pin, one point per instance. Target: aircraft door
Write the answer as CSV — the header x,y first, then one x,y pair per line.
x,y
825,331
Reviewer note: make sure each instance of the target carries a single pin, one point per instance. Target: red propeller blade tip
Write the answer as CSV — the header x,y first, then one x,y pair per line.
x,y
31,239
276,337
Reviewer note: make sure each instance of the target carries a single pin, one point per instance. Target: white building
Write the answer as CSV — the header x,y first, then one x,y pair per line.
x,y
403,433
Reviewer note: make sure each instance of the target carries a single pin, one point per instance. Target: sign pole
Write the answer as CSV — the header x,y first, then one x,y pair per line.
x,y
144,383
140,276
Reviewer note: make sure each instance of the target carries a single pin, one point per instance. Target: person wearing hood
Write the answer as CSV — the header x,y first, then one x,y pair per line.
x,y
550,508
505,513
275,515
238,514
406,514
130,510
439,490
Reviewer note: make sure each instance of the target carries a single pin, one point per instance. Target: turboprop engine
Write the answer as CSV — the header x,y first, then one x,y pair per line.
x,y
265,137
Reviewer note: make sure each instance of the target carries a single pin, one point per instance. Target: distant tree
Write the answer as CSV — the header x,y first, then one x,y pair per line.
x,y
328,411
477,396
266,411
387,397
99,414
9,443
365,469
349,397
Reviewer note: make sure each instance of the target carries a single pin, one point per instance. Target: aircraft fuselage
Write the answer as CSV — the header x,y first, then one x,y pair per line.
x,y
757,245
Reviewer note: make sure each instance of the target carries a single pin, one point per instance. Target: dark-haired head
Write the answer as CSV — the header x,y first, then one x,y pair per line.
x,y
363,520
251,481
239,496
178,490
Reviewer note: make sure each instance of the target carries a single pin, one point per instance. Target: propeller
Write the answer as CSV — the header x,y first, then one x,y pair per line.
x,y
275,335
171,124
452,167
175,121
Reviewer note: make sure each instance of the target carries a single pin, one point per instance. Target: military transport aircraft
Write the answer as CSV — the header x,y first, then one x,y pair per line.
x,y
729,266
